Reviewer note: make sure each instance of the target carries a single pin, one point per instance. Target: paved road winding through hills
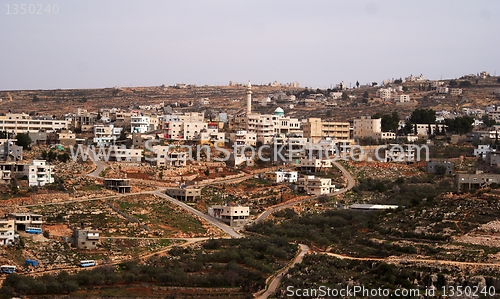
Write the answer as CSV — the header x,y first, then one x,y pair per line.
x,y
225,228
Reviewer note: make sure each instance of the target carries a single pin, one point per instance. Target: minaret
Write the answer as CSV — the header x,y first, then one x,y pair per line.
x,y
249,98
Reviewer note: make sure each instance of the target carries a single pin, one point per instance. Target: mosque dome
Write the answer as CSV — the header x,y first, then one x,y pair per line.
x,y
279,111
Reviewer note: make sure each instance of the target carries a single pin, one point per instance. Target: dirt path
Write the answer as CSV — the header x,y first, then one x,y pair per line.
x,y
410,260
304,249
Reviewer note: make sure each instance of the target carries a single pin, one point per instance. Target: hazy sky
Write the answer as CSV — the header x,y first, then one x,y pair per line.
x,y
317,43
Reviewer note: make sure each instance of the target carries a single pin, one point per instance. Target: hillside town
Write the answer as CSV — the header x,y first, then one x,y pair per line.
x,y
115,182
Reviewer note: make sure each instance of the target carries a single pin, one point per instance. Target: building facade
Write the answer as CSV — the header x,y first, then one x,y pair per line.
x,y
85,238
231,215
316,129
40,173
366,126
184,194
7,232
23,123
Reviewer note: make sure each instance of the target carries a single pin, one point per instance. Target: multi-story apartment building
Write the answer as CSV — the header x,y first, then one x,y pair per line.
x,y
231,215
407,153
384,94
66,138
106,134
442,89
193,129
288,149
367,127
164,156
402,98
84,120
313,185
242,138
266,126
466,181
187,126
118,185
40,173
314,164
23,221
131,155
9,151
9,169
139,124
7,232
212,136
316,129
23,123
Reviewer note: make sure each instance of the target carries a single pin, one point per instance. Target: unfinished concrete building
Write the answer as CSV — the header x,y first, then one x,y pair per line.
x,y
184,194
23,221
118,185
9,151
466,181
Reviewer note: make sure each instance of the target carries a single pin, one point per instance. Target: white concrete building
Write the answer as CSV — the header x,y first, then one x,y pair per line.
x,y
282,176
426,129
314,164
402,98
139,124
404,153
385,136
106,134
456,91
482,150
165,156
23,123
193,129
266,126
126,155
442,89
40,173
212,136
231,215
7,232
242,137
384,93
185,126
315,186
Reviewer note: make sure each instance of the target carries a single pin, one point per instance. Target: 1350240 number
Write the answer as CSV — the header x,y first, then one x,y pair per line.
x,y
468,291
31,9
